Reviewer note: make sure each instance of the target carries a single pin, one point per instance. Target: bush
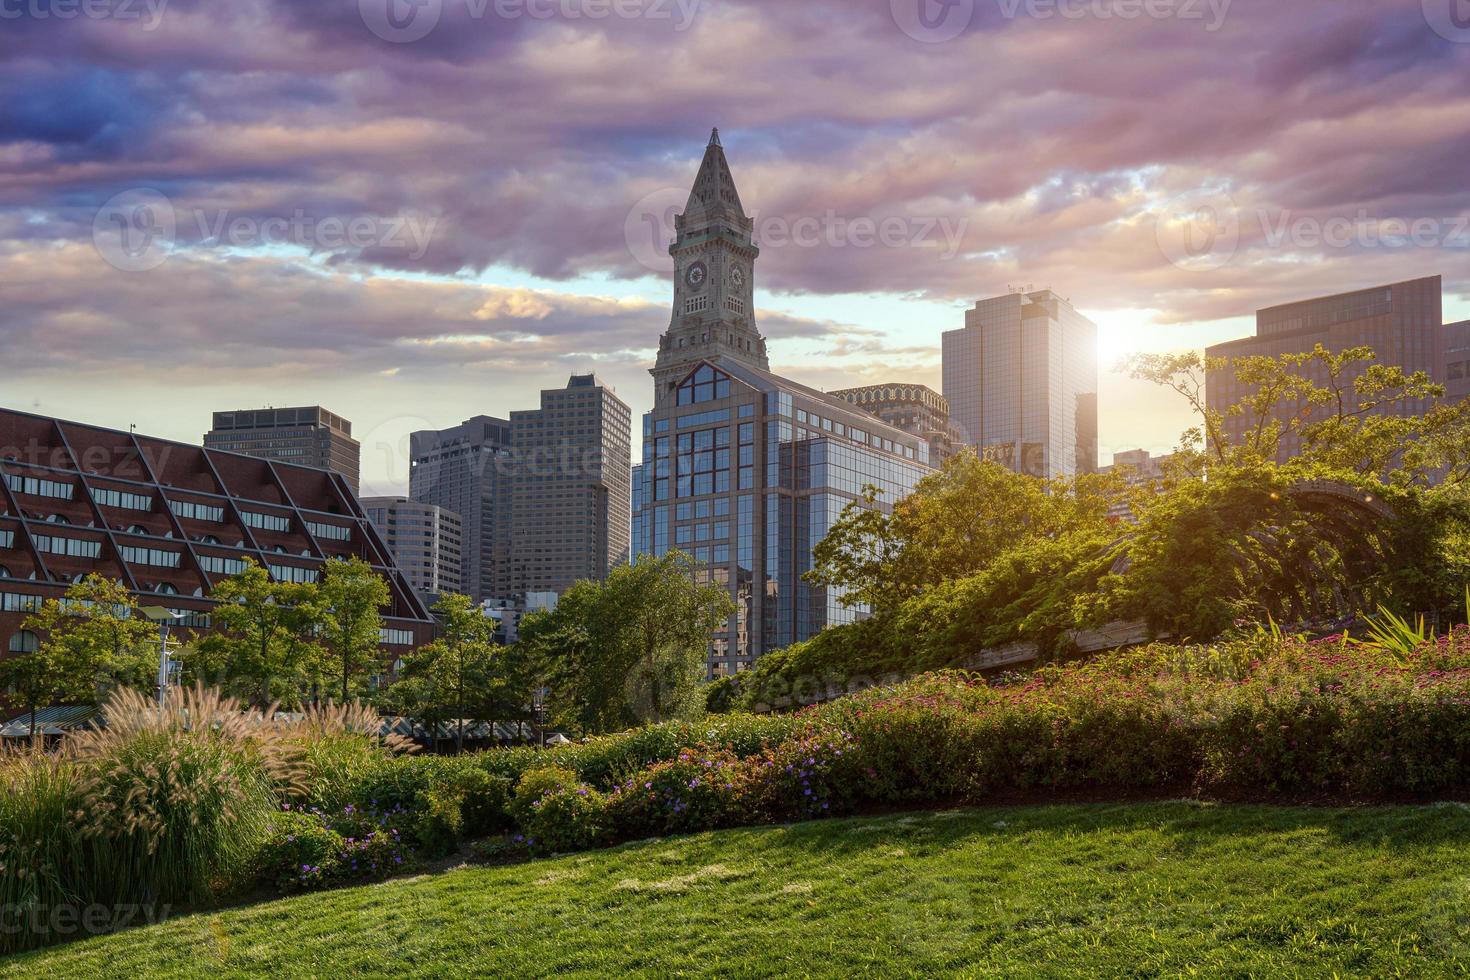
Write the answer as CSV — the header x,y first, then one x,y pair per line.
x,y
702,789
301,852
44,862
815,776
557,812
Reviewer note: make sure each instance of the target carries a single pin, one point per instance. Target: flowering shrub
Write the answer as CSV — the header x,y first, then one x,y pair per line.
x,y
309,849
818,775
700,790
557,812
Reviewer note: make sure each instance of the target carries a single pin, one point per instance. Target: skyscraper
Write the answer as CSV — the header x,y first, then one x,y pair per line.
x,y
570,503
1402,322
427,542
744,470
1021,380
544,496
465,470
309,436
914,408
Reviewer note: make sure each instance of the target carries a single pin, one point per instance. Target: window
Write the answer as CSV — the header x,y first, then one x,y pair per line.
x,y
7,539
38,487
15,602
23,642
696,304
266,522
150,556
71,547
395,638
332,532
222,566
293,573
197,512
122,499
704,385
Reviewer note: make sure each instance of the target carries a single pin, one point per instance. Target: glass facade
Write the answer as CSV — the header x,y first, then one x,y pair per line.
x,y
746,473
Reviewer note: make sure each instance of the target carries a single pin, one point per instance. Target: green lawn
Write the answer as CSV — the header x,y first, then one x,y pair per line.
x,y
1139,890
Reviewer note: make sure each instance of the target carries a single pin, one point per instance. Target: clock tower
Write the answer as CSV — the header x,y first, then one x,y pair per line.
x,y
714,270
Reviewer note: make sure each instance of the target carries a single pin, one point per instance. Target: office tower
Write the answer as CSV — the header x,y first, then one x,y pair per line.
x,y
170,521
570,502
466,470
916,409
1454,371
744,470
1402,322
426,540
309,436
1021,380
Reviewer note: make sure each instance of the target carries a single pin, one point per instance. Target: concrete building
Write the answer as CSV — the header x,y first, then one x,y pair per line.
x,y
1402,322
310,436
544,496
1140,465
914,408
170,521
571,504
1021,381
744,470
427,542
465,470
1454,371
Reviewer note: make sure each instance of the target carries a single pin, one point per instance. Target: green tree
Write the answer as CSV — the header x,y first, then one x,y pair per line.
x,y
458,666
630,649
265,635
92,638
352,595
955,524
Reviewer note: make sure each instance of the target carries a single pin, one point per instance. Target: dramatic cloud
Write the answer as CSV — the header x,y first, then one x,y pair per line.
x,y
473,189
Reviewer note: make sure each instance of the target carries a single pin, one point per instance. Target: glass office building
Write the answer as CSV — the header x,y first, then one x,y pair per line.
x,y
746,472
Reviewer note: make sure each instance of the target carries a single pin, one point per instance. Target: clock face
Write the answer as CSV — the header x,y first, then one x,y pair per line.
x,y
737,276
696,275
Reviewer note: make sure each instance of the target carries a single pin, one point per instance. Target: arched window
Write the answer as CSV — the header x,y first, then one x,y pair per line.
x,y
165,588
23,642
5,572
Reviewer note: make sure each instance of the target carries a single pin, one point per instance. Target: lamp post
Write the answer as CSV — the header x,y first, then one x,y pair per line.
x,y
164,618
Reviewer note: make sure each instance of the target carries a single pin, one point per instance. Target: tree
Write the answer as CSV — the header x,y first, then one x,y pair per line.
x,y
955,524
458,665
265,634
630,649
93,636
351,628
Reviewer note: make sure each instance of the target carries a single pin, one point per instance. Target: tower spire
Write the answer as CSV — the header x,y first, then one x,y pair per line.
x,y
714,137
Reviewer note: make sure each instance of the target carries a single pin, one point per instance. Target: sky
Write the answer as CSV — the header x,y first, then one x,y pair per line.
x,y
415,211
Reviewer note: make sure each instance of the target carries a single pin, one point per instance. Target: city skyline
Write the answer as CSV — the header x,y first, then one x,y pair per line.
x,y
489,267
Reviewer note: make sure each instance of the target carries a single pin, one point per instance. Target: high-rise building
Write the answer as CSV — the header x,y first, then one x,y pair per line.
x,y
1454,371
309,436
466,470
1402,322
426,540
744,470
914,408
544,496
1021,380
571,498
170,521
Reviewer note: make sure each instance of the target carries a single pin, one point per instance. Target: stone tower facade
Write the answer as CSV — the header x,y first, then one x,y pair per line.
x,y
714,279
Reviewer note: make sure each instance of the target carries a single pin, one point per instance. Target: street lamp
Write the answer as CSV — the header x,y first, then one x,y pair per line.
x,y
164,618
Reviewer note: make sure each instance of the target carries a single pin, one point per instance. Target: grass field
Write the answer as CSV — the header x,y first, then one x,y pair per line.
x,y
1137,890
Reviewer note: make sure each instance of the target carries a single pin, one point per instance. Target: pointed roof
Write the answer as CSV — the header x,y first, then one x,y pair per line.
x,y
714,194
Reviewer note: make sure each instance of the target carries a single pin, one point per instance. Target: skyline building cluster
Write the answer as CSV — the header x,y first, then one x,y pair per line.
x,y
741,468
